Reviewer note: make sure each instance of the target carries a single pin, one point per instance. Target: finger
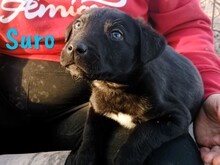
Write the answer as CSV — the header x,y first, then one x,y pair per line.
x,y
206,155
211,155
216,160
215,149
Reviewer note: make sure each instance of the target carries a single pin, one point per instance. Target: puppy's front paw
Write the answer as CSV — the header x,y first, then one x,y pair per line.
x,y
126,158
121,160
82,159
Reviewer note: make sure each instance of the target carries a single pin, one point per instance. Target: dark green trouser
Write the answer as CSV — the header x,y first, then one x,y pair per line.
x,y
43,109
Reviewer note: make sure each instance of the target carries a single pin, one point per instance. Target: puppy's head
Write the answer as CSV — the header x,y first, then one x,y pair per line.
x,y
107,44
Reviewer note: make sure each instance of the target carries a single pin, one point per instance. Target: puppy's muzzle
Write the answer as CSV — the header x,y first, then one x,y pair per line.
x,y
79,49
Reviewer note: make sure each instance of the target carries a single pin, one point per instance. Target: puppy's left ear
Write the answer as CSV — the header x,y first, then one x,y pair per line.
x,y
152,43
68,32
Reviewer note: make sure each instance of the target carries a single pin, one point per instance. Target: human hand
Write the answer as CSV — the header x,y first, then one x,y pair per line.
x,y
207,130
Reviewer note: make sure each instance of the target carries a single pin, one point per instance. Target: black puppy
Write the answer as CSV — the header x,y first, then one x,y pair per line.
x,y
137,80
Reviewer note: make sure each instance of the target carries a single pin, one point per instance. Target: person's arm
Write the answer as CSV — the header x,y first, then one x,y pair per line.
x,y
188,30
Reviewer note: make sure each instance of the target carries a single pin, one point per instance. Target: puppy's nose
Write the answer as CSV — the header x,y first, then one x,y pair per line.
x,y
70,48
81,49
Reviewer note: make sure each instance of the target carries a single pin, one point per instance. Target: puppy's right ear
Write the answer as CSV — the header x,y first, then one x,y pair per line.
x,y
151,42
68,32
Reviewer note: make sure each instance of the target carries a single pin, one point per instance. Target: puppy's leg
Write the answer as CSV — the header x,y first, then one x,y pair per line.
x,y
150,135
97,131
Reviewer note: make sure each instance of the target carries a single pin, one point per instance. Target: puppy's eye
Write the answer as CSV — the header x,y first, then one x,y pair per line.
x,y
117,35
78,24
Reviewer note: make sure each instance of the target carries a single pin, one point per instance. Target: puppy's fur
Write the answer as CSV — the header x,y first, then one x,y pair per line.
x,y
137,80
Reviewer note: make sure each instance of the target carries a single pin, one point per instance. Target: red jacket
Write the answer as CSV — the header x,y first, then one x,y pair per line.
x,y
182,22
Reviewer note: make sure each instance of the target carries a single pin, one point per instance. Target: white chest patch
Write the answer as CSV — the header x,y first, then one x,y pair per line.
x,y
123,119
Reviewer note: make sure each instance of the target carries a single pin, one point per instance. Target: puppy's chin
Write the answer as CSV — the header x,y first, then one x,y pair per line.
x,y
75,71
